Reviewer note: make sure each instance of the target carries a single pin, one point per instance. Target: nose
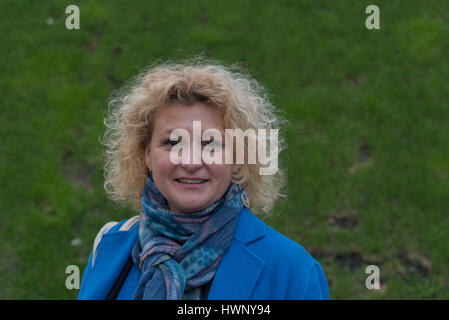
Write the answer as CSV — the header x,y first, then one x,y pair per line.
x,y
192,167
195,160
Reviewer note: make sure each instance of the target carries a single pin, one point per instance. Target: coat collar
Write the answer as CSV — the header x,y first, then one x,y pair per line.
x,y
235,278
240,268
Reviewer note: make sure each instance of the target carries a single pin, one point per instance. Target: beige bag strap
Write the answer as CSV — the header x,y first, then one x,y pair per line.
x,y
129,223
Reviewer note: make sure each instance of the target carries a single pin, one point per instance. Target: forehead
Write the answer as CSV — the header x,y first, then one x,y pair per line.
x,y
176,116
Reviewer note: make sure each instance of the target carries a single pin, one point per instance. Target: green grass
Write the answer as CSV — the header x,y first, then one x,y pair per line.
x,y
368,151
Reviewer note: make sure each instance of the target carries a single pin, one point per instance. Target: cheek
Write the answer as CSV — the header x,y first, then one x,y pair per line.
x,y
221,172
162,164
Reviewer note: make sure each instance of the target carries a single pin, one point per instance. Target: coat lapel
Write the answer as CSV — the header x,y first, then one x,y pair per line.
x,y
240,268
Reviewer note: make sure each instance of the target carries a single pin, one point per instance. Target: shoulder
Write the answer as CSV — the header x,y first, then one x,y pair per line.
x,y
110,228
275,246
111,249
270,243
293,268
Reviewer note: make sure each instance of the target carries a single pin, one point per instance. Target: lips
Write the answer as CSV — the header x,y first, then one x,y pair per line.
x,y
191,180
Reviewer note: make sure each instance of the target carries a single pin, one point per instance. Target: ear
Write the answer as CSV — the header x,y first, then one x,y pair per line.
x,y
236,167
148,158
237,174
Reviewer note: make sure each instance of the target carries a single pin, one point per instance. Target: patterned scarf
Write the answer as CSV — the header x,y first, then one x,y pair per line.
x,y
178,253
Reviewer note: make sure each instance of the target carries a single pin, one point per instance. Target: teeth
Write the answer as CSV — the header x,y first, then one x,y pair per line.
x,y
191,180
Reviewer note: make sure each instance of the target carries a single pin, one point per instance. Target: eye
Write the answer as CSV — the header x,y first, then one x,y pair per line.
x,y
205,143
171,143
211,143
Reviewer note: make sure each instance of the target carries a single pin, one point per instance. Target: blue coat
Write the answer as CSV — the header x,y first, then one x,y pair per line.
x,y
260,264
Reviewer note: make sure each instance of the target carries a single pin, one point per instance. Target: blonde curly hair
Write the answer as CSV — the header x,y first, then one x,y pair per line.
x,y
131,113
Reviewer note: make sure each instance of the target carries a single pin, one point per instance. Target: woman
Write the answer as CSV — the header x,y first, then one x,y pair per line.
x,y
196,236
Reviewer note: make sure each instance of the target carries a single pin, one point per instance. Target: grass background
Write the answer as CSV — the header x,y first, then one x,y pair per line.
x,y
368,151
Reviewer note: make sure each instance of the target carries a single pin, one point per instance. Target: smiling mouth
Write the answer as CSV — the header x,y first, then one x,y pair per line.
x,y
191,181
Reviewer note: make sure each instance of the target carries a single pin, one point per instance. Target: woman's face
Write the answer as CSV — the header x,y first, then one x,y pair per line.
x,y
210,180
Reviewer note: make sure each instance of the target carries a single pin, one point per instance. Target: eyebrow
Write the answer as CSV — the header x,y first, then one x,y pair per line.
x,y
167,131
